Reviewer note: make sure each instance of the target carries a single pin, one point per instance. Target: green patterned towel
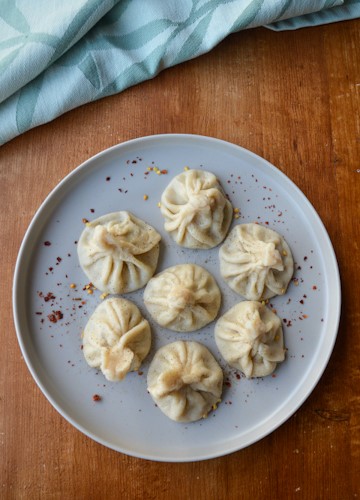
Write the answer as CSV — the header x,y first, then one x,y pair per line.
x,y
56,55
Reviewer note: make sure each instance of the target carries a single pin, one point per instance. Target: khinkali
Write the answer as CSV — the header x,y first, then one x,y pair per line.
x,y
118,252
256,262
185,381
116,338
196,210
250,338
183,298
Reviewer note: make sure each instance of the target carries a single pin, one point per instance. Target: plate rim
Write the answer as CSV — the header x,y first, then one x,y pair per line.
x,y
30,364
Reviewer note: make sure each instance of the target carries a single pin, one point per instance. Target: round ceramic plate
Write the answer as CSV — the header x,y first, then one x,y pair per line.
x,y
50,314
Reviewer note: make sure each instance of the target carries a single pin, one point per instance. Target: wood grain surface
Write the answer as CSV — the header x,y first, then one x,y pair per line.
x,y
290,97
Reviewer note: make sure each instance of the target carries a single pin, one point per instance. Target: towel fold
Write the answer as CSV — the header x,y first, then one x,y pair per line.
x,y
56,55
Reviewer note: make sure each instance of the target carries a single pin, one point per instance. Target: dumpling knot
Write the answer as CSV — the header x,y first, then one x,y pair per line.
x,y
270,257
101,238
180,298
120,229
253,324
200,200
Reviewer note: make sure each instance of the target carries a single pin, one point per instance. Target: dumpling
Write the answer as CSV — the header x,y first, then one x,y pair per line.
x,y
256,262
185,381
118,252
116,338
250,338
196,210
183,298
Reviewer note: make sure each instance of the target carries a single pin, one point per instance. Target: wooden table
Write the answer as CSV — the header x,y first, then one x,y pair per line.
x,y
291,97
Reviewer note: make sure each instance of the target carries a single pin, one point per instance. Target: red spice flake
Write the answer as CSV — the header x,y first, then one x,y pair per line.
x,y
52,318
267,223
146,173
305,316
59,259
59,315
51,269
305,258
273,375
134,161
96,397
164,171
81,347
55,316
92,210
301,301
314,287
228,383
238,376
140,373
85,221
48,297
47,243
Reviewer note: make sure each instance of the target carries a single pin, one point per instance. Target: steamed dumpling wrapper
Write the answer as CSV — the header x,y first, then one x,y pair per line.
x,y
196,211
250,338
183,298
185,381
256,262
118,252
116,338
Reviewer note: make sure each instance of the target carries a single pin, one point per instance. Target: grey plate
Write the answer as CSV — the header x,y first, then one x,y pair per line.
x,y
126,418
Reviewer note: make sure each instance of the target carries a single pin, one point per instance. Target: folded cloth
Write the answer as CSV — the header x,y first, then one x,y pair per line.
x,y
56,55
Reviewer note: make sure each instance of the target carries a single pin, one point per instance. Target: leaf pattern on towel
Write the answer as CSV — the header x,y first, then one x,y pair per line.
x,y
56,56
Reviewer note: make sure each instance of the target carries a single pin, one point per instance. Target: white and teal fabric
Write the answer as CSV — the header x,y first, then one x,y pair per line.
x,y
56,55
